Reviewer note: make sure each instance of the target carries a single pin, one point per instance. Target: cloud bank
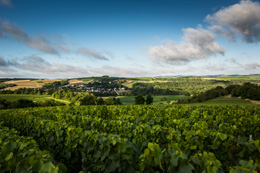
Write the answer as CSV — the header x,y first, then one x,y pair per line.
x,y
39,67
242,19
196,44
248,66
252,66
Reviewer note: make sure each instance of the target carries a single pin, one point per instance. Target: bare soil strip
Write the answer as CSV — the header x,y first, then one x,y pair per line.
x,y
252,101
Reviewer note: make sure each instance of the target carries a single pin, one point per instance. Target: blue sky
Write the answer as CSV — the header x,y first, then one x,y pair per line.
x,y
80,38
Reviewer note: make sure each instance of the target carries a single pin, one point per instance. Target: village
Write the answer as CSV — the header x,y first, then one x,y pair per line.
x,y
82,87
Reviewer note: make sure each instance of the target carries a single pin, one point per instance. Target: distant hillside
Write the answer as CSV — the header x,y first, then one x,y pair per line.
x,y
173,84
28,83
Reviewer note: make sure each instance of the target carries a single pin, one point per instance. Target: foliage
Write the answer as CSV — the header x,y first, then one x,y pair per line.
x,y
24,91
89,99
247,90
21,154
100,101
126,100
24,103
56,84
188,85
145,89
149,99
112,101
140,138
3,85
71,96
47,88
105,83
139,100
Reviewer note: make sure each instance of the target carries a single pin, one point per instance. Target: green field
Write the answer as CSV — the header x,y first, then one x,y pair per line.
x,y
126,100
15,97
35,98
225,101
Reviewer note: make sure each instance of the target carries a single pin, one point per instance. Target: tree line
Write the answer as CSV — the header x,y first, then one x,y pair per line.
x,y
146,88
93,100
24,103
245,91
47,89
3,85
140,100
25,91
84,98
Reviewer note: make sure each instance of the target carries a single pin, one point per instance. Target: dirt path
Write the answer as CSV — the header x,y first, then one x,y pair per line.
x,y
59,100
255,102
251,101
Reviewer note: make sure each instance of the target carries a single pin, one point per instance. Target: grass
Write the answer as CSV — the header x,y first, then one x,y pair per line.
x,y
225,101
156,99
15,97
72,81
35,98
59,100
126,100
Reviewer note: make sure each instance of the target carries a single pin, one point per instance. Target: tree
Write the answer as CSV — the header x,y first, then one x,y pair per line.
x,y
100,101
139,100
149,99
4,104
88,100
117,101
230,88
112,101
24,103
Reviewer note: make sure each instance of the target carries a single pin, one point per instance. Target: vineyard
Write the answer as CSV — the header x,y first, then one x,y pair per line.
x,y
158,138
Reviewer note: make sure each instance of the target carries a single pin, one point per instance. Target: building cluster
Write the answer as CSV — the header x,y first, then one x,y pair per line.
x,y
83,88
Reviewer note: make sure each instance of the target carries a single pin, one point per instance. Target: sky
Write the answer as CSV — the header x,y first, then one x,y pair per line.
x,y
128,38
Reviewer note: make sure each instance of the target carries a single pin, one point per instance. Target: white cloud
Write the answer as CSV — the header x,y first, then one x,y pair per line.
x,y
3,62
119,71
136,70
196,44
214,67
240,19
39,43
36,65
252,66
8,72
235,62
92,53
5,70
53,45
6,3
248,66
